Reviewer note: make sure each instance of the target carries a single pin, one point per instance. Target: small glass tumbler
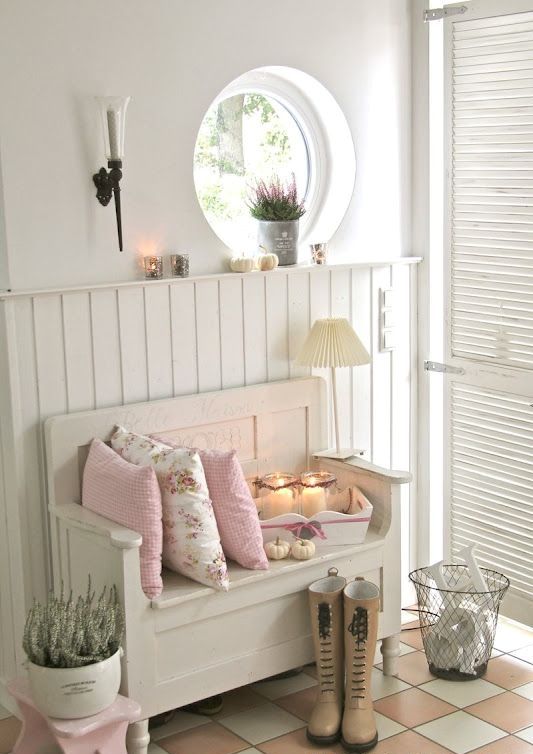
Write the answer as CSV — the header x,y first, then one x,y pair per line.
x,y
319,253
179,264
153,268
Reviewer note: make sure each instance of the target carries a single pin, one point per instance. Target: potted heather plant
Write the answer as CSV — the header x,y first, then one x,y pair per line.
x,y
74,650
276,207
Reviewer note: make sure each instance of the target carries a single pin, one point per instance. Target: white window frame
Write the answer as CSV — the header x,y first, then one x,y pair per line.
x,y
330,146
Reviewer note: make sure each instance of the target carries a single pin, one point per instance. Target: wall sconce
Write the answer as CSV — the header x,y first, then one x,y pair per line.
x,y
107,182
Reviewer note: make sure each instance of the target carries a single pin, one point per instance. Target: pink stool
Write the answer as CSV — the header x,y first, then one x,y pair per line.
x,y
104,733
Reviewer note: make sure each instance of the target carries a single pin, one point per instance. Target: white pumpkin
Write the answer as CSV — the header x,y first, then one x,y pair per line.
x,y
267,261
278,549
303,549
242,264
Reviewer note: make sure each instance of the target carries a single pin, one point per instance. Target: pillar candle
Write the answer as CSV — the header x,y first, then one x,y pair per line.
x,y
278,502
313,500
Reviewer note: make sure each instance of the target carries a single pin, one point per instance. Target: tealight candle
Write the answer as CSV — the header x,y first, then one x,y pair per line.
x,y
153,267
314,492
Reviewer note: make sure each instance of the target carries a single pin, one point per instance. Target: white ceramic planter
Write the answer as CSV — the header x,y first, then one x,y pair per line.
x,y
70,693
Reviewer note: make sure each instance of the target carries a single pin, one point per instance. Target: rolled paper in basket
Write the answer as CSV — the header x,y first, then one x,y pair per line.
x,y
477,578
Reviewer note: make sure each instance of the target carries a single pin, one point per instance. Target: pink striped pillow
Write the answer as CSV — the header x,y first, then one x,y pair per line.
x,y
235,510
129,495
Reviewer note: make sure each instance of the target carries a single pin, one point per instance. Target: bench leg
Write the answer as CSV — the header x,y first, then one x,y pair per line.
x,y
138,738
390,649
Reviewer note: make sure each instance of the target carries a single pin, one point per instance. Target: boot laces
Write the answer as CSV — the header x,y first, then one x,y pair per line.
x,y
359,630
326,673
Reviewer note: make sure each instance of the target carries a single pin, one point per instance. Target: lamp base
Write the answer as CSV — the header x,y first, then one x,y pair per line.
x,y
342,455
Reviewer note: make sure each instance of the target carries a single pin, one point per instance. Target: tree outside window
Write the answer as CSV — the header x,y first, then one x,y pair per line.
x,y
242,139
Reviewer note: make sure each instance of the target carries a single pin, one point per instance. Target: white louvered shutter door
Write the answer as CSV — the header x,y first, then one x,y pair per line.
x,y
489,255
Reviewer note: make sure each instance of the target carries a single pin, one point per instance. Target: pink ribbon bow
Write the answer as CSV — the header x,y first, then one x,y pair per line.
x,y
296,529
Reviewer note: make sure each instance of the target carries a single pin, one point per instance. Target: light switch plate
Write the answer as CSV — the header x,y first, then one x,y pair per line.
x,y
389,340
387,298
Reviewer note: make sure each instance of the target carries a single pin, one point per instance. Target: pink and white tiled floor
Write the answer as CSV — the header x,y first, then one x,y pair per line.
x,y
416,713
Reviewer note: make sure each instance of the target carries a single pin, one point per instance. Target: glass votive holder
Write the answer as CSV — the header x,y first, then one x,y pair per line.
x,y
278,494
153,268
315,491
319,253
179,265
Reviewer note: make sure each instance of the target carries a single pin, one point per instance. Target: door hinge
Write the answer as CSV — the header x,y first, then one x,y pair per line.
x,y
436,366
436,14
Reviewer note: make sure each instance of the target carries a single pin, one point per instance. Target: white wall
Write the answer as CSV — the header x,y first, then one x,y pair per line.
x,y
173,57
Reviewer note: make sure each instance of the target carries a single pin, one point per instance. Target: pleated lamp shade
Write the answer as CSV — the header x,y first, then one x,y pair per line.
x,y
332,343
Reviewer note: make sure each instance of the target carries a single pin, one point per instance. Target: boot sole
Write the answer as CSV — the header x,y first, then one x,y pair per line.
x,y
323,740
356,748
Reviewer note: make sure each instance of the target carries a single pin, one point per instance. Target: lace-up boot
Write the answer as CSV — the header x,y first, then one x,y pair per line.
x,y
361,605
325,602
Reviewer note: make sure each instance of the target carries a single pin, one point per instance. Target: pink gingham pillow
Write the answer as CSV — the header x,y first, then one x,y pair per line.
x,y
128,495
191,542
235,510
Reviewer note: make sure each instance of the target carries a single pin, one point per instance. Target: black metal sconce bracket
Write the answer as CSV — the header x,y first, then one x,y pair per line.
x,y
107,184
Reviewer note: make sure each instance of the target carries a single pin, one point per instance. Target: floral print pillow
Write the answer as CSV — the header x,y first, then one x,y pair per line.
x,y
191,542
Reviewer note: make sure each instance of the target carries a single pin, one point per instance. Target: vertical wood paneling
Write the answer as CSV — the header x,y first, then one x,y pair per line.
x,y
32,448
208,335
158,341
8,666
132,328
341,297
231,332
298,298
401,401
254,323
362,393
320,308
112,346
50,354
183,318
106,349
277,324
78,351
381,377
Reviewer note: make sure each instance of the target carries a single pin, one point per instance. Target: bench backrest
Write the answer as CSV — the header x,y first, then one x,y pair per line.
x,y
274,426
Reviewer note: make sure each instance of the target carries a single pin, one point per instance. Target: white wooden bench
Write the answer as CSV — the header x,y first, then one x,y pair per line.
x,y
192,642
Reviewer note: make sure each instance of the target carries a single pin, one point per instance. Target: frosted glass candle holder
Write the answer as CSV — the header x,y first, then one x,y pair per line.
x,y
315,491
179,265
278,494
153,268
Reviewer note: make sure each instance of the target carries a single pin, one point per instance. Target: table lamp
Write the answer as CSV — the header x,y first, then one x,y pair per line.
x,y
333,343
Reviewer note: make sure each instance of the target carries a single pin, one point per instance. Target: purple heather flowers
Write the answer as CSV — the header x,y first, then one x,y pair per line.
x,y
275,200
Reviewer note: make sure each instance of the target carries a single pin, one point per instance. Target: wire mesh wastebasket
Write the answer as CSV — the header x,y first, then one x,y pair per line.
x,y
458,627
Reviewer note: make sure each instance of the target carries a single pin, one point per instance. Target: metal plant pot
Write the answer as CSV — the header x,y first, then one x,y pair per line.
x,y
281,238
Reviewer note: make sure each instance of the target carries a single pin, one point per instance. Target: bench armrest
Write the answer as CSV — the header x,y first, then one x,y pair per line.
x,y
82,518
359,465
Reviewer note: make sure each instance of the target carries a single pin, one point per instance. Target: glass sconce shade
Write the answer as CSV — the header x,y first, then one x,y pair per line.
x,y
113,115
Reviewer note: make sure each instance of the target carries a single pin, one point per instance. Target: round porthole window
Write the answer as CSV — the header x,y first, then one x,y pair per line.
x,y
273,122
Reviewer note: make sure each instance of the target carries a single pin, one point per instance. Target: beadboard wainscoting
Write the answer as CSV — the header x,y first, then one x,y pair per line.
x,y
80,349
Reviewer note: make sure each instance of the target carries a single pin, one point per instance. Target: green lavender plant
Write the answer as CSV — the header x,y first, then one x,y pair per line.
x,y
69,634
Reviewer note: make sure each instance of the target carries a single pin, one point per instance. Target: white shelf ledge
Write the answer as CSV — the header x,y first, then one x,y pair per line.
x,y
142,282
